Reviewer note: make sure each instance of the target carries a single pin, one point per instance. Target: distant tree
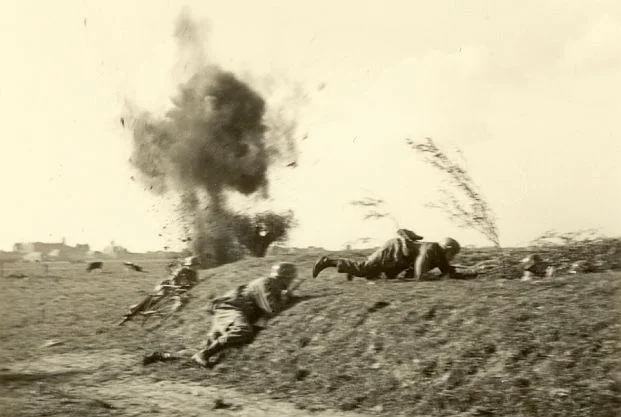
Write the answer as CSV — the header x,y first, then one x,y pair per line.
x,y
257,232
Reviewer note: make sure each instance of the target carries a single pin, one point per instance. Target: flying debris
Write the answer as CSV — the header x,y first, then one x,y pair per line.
x,y
133,266
215,139
94,265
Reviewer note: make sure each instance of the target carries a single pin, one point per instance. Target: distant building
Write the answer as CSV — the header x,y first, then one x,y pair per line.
x,y
115,251
9,256
52,251
33,257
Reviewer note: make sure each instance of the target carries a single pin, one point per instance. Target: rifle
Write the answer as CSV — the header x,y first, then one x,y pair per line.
x,y
150,301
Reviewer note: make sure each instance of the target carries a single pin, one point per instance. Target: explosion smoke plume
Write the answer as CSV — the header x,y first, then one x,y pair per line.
x,y
212,140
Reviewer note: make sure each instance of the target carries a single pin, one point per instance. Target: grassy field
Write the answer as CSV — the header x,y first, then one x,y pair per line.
x,y
488,347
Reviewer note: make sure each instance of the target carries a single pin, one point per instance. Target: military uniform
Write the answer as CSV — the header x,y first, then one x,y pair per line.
x,y
236,313
534,267
397,255
184,277
394,256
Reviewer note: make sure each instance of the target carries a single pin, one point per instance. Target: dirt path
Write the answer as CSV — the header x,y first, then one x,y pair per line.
x,y
97,380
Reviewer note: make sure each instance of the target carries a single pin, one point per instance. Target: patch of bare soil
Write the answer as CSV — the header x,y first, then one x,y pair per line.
x,y
105,383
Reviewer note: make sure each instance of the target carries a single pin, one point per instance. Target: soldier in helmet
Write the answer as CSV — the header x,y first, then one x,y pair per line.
x,y
184,277
237,314
398,255
392,258
534,266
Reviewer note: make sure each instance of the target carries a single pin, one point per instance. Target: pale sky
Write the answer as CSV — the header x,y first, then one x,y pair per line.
x,y
529,90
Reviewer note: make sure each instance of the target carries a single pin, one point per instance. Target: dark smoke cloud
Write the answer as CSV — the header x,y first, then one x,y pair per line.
x,y
213,137
213,140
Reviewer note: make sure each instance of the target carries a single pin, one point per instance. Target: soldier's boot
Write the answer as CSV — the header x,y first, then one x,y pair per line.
x,y
323,263
157,357
202,357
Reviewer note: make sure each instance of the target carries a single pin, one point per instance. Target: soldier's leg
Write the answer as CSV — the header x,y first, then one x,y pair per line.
x,y
356,268
392,273
373,266
141,306
230,328
323,263
343,265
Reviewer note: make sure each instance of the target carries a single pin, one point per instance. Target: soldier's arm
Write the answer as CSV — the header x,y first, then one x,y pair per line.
x,y
421,265
279,296
277,302
173,278
431,257
263,294
192,277
443,265
448,269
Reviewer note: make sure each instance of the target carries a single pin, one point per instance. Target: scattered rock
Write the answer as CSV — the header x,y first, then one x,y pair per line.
x,y
316,407
158,357
431,313
304,341
559,392
352,403
581,267
489,348
103,404
376,347
51,343
378,305
482,412
301,374
219,404
378,408
521,382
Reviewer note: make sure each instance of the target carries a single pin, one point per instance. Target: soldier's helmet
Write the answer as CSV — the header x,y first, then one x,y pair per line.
x,y
530,261
448,243
285,270
191,261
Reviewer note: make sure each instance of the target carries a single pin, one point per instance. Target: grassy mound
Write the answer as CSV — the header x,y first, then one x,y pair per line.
x,y
484,347
488,347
